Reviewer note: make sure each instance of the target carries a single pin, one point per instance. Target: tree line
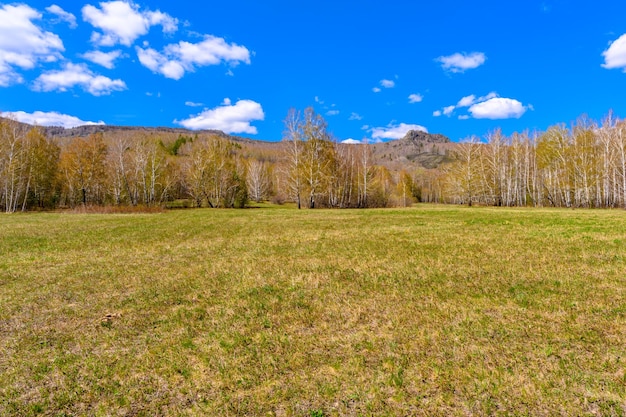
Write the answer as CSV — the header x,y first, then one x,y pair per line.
x,y
137,168
580,166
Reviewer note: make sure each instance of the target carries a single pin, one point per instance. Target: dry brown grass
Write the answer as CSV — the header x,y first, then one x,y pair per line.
x,y
121,209
424,311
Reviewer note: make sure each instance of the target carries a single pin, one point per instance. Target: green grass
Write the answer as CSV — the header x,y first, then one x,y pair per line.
x,y
434,310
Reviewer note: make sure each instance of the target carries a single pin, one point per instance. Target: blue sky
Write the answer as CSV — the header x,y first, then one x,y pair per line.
x,y
373,69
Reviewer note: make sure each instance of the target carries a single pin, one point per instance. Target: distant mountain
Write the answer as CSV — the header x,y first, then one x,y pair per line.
x,y
417,137
416,149
86,130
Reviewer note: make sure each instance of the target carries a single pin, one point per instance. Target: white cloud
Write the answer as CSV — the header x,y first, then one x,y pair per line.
x,y
121,22
8,76
448,110
211,51
351,141
77,75
498,108
63,15
150,58
491,95
615,55
332,112
227,118
178,58
395,131
167,22
192,104
158,63
387,83
22,43
466,101
106,59
53,118
463,117
355,116
415,98
460,62
318,100
376,90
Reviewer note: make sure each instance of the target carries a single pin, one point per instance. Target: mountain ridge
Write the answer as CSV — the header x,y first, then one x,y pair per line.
x,y
415,149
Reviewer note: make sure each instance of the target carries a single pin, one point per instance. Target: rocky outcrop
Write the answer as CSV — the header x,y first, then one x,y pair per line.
x,y
417,136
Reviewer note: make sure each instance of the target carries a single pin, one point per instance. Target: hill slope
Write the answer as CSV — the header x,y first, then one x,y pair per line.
x,y
416,149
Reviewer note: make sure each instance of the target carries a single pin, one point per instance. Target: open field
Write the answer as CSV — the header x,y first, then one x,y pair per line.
x,y
434,310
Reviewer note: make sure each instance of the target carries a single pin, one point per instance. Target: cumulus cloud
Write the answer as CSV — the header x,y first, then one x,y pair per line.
x,y
53,118
376,90
73,75
448,110
351,141
158,63
355,116
211,51
332,112
395,131
415,98
22,43
106,59
229,118
615,55
459,62
181,57
193,104
467,101
498,108
62,15
387,83
8,76
121,22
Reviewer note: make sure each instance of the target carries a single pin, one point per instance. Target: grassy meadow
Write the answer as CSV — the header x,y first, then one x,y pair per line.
x,y
432,310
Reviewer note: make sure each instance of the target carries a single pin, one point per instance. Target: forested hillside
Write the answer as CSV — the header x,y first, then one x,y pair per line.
x,y
46,168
